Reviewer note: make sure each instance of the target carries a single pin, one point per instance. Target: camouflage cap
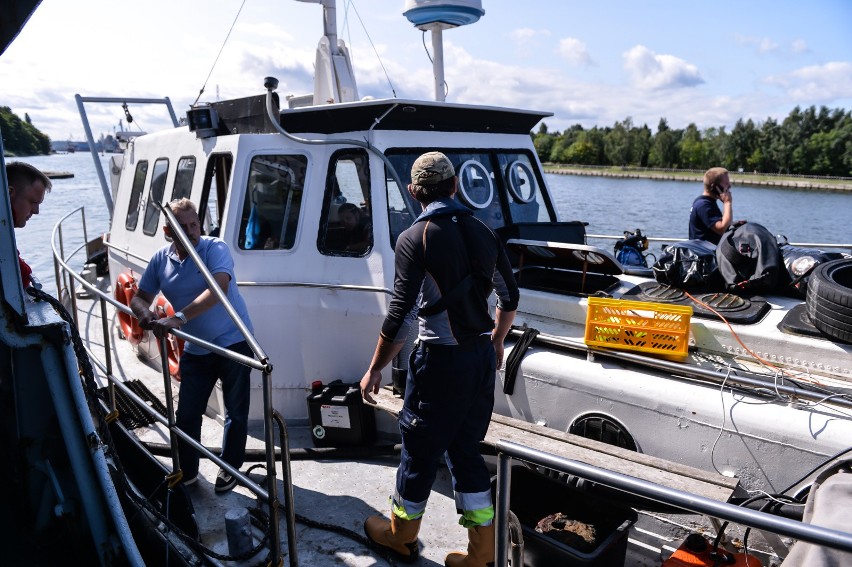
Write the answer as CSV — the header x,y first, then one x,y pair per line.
x,y
431,168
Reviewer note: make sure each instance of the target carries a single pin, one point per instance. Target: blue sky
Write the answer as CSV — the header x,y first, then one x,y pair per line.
x,y
587,62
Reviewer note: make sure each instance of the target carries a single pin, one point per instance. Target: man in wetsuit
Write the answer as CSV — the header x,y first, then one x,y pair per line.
x,y
447,264
706,221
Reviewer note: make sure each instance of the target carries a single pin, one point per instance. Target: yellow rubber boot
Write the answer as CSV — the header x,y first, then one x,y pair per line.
x,y
480,549
397,535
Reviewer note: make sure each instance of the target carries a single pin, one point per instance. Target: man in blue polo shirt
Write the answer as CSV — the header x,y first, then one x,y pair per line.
x,y
172,272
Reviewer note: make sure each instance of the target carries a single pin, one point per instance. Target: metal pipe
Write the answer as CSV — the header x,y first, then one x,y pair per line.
x,y
501,517
98,167
170,407
662,239
689,502
438,62
244,480
247,360
289,501
87,457
107,352
271,484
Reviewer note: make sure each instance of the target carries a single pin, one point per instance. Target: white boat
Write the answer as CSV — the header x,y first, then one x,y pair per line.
x,y
270,180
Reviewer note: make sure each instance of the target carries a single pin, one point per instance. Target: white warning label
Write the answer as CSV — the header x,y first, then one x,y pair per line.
x,y
335,416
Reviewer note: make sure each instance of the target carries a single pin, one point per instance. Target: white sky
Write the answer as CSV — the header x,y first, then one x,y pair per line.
x,y
591,62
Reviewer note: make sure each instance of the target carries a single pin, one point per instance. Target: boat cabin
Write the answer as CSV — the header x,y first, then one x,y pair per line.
x,y
316,213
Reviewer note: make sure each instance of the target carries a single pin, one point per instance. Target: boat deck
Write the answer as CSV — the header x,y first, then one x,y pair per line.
x,y
333,496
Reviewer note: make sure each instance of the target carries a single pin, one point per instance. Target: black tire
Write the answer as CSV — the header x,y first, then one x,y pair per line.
x,y
829,299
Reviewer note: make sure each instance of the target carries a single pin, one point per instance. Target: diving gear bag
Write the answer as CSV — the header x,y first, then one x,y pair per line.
x,y
749,259
690,264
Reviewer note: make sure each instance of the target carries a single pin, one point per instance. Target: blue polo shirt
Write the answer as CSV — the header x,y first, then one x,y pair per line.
x,y
182,281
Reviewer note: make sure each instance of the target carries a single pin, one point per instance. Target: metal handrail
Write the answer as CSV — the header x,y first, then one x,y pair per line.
x,y
507,450
681,239
263,365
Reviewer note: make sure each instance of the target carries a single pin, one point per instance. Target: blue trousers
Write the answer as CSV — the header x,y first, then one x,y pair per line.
x,y
449,397
198,378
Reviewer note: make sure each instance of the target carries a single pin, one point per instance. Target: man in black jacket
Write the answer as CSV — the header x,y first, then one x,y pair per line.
x,y
447,264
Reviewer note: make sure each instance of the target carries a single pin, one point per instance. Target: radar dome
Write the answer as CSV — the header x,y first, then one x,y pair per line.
x,y
450,13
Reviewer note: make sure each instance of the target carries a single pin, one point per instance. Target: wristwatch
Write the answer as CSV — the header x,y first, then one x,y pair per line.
x,y
181,316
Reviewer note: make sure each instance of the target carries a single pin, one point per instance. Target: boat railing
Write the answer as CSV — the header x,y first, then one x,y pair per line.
x,y
689,503
81,107
65,278
665,239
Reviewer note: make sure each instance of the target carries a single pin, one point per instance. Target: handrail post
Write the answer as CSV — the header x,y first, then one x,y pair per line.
x,y
289,504
501,516
271,475
107,354
170,406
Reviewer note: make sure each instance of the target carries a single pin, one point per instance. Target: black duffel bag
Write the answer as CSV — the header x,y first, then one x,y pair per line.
x,y
690,264
749,259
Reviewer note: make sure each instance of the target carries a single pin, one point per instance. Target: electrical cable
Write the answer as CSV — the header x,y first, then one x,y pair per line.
x,y
763,361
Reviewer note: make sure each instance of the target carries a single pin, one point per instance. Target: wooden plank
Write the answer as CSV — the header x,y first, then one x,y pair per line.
x,y
616,459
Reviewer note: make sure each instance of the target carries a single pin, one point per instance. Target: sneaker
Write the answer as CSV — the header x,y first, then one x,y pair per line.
x,y
190,481
224,481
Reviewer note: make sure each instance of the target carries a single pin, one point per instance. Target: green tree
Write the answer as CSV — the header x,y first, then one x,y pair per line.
x,y
20,137
618,144
692,148
663,151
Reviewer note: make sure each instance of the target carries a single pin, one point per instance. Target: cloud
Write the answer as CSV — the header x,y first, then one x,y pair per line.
x,y
574,51
762,45
527,40
816,83
652,71
767,46
799,46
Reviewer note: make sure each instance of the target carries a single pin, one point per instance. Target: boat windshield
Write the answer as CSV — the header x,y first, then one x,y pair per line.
x,y
502,187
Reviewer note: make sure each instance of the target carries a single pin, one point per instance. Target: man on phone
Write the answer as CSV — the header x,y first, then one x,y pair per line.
x,y
706,221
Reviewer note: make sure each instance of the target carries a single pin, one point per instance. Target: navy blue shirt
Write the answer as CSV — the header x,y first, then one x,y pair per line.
x,y
702,216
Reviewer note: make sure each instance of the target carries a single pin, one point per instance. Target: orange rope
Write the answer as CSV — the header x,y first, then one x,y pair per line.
x,y
748,350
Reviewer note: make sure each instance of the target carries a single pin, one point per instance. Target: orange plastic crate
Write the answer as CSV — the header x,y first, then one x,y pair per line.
x,y
653,328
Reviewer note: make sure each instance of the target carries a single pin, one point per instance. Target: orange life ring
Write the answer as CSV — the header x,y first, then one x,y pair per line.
x,y
174,345
125,289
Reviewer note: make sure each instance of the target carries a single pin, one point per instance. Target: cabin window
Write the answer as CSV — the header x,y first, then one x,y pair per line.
x,y
524,190
135,195
214,192
273,202
155,196
183,178
347,228
501,187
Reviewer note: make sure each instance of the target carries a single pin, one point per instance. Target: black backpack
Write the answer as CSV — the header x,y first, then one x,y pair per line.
x,y
749,259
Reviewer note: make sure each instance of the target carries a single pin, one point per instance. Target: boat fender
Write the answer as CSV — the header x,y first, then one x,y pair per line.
x,y
513,361
174,345
125,290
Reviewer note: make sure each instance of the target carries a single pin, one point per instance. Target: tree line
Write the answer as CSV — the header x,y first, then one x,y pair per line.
x,y
807,142
20,137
